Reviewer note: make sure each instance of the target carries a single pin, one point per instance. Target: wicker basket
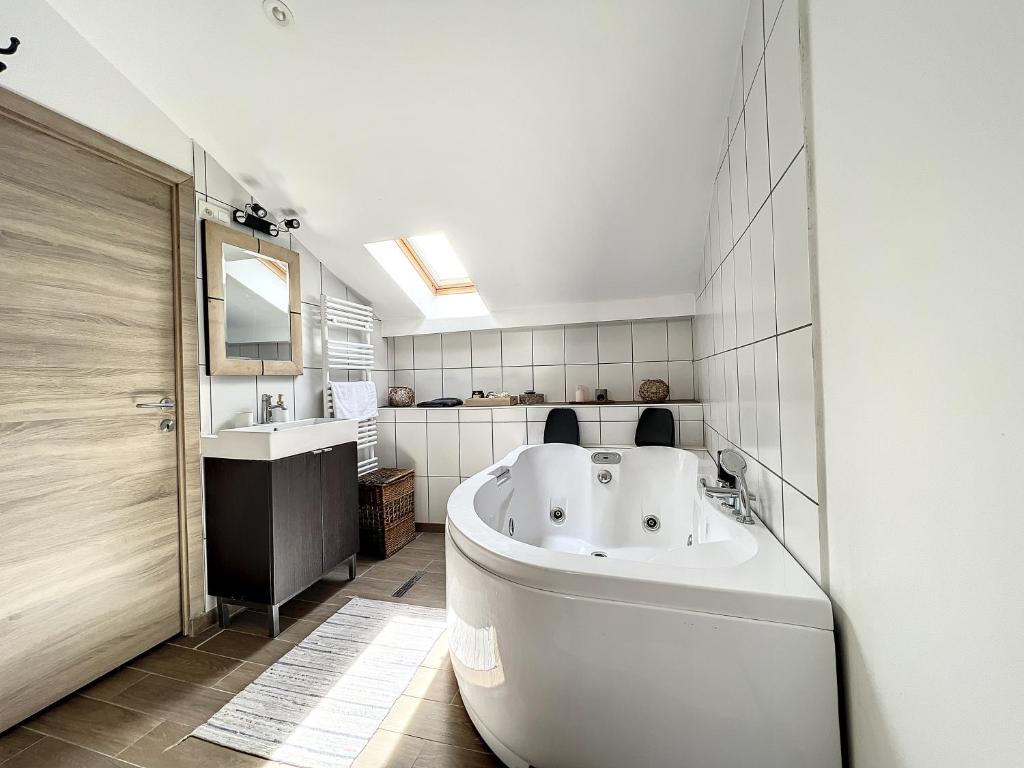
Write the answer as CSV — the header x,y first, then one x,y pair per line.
x,y
387,512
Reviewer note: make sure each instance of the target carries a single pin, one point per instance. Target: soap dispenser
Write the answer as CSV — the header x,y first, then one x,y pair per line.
x,y
279,413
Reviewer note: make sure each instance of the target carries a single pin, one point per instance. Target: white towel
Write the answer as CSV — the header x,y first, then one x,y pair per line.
x,y
354,400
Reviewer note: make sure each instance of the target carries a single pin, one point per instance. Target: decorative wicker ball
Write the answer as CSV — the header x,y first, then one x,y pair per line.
x,y
653,391
401,397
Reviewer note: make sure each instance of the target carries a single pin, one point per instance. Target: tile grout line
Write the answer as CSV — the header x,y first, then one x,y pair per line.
x,y
73,744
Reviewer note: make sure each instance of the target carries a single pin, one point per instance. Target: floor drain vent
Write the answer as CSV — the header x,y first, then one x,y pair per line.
x,y
409,584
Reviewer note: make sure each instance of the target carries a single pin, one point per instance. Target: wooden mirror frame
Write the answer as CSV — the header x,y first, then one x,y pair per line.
x,y
215,237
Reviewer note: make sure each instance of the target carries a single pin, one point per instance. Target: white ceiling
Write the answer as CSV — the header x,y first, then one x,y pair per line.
x,y
566,147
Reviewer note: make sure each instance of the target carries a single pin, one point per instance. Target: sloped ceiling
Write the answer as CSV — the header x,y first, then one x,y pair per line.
x,y
566,147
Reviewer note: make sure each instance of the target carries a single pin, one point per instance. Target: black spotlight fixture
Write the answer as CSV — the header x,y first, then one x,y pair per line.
x,y
254,215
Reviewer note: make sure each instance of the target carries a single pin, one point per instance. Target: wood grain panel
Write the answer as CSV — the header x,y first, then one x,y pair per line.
x,y
216,348
48,122
189,422
215,236
293,260
89,514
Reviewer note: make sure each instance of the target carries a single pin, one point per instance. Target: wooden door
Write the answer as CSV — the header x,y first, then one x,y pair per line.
x,y
297,536
340,504
89,535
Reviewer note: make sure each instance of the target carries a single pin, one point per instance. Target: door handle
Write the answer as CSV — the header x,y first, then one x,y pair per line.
x,y
165,403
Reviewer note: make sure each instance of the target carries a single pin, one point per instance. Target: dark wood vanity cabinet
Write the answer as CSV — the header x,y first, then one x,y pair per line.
x,y
275,527
340,494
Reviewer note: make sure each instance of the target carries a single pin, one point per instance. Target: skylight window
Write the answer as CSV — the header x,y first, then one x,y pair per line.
x,y
427,268
435,260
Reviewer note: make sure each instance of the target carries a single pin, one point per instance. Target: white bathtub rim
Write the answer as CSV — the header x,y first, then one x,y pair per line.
x,y
771,586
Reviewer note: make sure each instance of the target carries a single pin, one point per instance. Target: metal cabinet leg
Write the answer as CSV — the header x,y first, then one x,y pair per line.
x,y
223,616
273,620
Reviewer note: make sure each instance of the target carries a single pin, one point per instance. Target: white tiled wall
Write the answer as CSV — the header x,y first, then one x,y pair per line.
x,y
753,331
447,445
551,360
224,396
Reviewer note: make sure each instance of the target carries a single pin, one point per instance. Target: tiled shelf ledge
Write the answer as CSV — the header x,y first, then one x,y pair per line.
x,y
447,445
549,404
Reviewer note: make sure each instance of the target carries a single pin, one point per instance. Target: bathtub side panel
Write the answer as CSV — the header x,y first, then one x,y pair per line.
x,y
584,683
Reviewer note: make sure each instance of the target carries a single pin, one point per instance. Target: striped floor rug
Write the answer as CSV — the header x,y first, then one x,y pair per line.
x,y
323,700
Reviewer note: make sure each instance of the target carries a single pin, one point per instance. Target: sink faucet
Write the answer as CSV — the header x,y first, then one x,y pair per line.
x,y
265,409
740,496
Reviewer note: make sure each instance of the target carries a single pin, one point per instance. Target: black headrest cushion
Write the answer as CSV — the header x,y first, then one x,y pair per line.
x,y
562,426
656,427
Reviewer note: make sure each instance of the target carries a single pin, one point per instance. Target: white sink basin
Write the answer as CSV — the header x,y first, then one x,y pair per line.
x,y
266,442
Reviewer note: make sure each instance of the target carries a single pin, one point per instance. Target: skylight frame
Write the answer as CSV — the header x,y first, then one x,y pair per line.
x,y
435,286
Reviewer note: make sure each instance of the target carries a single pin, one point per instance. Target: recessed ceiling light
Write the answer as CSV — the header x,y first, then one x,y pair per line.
x,y
278,13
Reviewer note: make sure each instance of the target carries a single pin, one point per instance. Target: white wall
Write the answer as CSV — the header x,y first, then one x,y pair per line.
x,y
56,67
552,360
224,396
754,332
918,162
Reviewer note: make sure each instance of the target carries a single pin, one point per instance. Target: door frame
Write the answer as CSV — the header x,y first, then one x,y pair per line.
x,y
181,193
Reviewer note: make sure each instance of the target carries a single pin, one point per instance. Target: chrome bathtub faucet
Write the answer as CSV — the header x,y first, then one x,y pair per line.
x,y
738,498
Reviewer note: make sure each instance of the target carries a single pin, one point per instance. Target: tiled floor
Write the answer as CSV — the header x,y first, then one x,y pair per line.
x,y
137,715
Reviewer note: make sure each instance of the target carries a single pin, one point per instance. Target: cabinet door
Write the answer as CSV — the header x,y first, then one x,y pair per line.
x,y
238,549
340,504
297,523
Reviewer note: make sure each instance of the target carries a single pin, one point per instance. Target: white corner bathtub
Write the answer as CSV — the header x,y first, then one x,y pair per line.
x,y
702,644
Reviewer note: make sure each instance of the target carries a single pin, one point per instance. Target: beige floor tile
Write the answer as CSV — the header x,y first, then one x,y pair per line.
x,y
436,755
245,647
435,684
434,721
389,750
438,657
298,631
163,748
191,642
16,740
174,700
390,571
236,680
425,594
310,611
415,559
94,724
109,686
51,753
255,622
190,665
373,589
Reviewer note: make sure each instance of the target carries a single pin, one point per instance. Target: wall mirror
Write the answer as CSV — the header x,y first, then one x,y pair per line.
x,y
253,306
